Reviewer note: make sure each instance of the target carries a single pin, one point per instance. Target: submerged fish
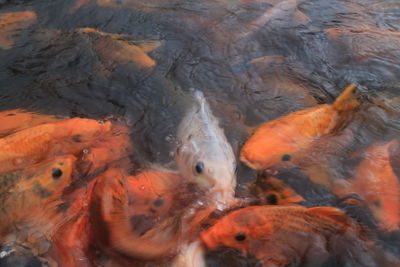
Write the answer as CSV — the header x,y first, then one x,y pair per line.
x,y
376,181
204,155
43,141
30,198
12,23
295,236
272,191
16,120
284,140
283,13
117,49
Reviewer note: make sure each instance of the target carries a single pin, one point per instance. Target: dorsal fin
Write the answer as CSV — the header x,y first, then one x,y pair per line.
x,y
346,99
331,213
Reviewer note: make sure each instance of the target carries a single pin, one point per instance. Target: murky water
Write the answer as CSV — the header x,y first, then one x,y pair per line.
x,y
254,60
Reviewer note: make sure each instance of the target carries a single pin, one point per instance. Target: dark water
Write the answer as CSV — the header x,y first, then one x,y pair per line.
x,y
250,70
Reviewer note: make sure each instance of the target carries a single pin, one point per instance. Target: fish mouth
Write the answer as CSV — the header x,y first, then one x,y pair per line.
x,y
252,165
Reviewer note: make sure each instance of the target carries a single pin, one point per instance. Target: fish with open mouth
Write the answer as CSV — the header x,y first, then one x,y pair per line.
x,y
204,155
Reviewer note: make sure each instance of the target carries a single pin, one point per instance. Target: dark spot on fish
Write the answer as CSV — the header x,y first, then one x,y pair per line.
x,y
63,207
199,167
190,137
272,199
11,114
43,192
158,202
286,157
77,138
240,237
153,210
57,173
141,223
377,203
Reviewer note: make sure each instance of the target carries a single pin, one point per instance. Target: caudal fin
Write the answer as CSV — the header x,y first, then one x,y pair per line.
x,y
346,100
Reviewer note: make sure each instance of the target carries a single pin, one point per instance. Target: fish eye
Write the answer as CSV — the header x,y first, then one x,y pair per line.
x,y
199,167
272,199
56,173
286,157
240,237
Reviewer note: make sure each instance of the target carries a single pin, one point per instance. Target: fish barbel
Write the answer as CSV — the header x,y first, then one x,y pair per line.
x,y
204,155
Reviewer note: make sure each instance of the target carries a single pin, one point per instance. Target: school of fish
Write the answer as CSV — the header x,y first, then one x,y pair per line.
x,y
73,195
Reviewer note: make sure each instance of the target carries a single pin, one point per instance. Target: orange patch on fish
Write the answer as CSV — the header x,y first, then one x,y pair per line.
x,y
139,213
16,120
281,234
282,141
12,23
31,145
375,180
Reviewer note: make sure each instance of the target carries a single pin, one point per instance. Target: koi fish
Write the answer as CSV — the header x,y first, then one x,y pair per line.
x,y
31,145
114,49
376,181
140,213
294,235
366,43
282,140
30,198
16,120
204,155
12,23
282,13
272,191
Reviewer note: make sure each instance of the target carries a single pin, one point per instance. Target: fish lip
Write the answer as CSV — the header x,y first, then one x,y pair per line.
x,y
249,164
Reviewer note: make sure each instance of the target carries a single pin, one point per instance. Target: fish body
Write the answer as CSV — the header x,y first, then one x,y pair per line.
x,y
34,144
16,120
291,235
282,141
204,155
377,182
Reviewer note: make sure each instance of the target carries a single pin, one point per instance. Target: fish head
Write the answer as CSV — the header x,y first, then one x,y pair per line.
x,y
212,170
48,179
239,230
272,145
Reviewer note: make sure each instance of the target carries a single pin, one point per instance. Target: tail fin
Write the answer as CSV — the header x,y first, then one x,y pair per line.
x,y
346,100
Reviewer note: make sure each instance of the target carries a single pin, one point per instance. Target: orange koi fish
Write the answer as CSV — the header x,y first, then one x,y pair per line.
x,y
31,145
114,49
272,191
376,180
137,216
16,120
30,198
292,235
282,140
11,23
